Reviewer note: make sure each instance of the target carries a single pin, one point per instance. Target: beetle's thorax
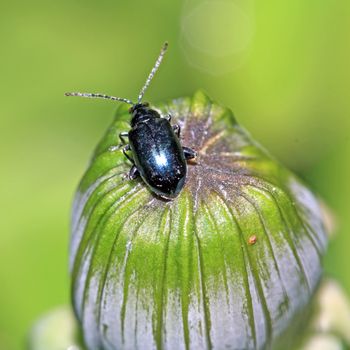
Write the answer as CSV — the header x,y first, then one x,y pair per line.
x,y
141,112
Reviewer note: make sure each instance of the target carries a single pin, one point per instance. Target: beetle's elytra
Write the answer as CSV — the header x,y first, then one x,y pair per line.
x,y
154,144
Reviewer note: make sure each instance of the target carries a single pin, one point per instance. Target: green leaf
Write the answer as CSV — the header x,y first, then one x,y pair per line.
x,y
231,263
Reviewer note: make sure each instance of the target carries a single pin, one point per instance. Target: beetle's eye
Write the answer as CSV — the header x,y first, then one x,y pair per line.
x,y
146,104
130,110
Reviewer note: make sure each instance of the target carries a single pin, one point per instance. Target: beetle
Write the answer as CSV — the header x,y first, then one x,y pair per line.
x,y
156,152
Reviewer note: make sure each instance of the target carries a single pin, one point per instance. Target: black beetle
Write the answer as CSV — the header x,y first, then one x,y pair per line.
x,y
157,155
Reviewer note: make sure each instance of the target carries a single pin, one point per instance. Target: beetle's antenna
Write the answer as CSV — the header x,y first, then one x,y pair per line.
x,y
92,95
153,71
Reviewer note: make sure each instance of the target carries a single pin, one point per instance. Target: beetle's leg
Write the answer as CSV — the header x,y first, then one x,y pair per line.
x,y
168,117
125,149
177,129
122,135
133,173
189,153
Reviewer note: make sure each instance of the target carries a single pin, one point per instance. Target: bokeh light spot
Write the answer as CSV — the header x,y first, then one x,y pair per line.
x,y
216,35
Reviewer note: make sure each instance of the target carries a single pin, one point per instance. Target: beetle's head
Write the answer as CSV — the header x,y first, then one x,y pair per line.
x,y
141,112
138,112
138,108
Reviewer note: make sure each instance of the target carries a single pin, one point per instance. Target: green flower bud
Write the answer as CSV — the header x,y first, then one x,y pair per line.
x,y
231,263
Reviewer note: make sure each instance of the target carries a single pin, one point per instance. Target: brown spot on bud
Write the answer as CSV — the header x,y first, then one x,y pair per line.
x,y
252,240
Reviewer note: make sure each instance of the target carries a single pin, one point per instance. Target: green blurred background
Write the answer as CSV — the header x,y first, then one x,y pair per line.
x,y
282,66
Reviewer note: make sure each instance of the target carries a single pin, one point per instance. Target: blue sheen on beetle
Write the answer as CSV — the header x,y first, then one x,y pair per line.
x,y
154,144
157,153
